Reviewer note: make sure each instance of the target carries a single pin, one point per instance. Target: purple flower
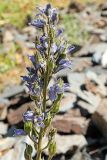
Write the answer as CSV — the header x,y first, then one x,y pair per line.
x,y
41,48
43,41
30,79
32,59
28,116
38,23
55,90
70,49
52,94
34,90
63,63
19,132
31,70
47,8
41,124
54,15
54,48
59,32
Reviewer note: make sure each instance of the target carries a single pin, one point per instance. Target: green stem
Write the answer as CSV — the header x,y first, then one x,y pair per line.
x,y
39,146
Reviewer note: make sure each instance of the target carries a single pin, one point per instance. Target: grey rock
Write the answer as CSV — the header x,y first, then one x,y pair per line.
x,y
15,147
12,91
67,102
15,153
4,101
97,57
66,143
21,37
103,37
81,156
104,59
98,50
97,69
88,107
99,80
89,97
76,80
7,143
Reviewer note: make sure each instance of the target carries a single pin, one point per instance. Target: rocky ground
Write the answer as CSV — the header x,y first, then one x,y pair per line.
x,y
82,120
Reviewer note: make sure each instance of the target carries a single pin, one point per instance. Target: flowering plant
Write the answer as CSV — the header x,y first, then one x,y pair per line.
x,y
49,58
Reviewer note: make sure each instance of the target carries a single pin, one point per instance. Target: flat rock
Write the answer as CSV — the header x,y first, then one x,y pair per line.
x,y
12,91
88,97
81,156
97,69
86,107
67,102
66,143
76,80
79,64
16,152
98,50
68,124
7,143
4,103
96,83
3,128
104,59
99,118
16,116
16,148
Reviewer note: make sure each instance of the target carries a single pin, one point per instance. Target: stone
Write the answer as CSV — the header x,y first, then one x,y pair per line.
x,y
97,57
75,80
7,143
104,59
89,97
16,116
67,102
12,91
69,124
96,83
86,107
81,156
4,103
16,150
3,128
99,118
103,37
66,143
98,50
97,69
79,64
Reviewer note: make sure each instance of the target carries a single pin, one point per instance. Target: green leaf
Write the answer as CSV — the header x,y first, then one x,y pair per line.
x,y
28,127
28,152
52,149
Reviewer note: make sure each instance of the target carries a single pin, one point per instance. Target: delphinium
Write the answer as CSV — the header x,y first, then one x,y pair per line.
x,y
49,58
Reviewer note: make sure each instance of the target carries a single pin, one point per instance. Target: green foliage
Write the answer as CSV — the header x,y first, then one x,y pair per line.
x,y
74,29
15,11
7,60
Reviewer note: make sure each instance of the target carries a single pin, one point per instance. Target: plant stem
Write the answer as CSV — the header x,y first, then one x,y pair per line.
x,y
39,146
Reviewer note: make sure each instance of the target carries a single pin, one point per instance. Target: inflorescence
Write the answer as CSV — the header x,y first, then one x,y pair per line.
x,y
49,58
